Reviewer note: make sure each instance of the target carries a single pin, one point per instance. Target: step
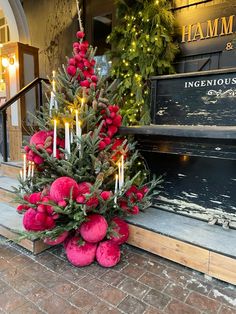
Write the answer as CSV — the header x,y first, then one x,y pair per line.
x,y
188,241
11,169
11,225
10,220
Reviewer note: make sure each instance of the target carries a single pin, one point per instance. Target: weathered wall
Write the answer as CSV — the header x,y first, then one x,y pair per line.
x,y
52,26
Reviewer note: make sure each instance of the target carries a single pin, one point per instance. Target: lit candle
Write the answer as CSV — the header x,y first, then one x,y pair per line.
x,y
32,173
67,138
24,167
55,138
122,170
119,172
53,81
29,169
71,134
116,188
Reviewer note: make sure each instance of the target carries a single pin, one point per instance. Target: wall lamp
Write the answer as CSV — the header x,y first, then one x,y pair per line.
x,y
7,61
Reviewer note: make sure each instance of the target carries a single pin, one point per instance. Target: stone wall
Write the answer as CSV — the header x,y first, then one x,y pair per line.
x,y
52,25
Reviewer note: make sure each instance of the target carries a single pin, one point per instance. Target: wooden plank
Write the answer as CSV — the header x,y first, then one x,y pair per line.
x,y
222,267
7,197
11,171
36,246
175,250
15,140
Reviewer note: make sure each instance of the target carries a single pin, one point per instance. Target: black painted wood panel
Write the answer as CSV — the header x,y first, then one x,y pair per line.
x,y
195,184
201,99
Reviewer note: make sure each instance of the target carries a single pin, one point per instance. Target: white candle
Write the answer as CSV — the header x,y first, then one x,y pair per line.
x,y
72,127
116,188
29,169
53,81
76,122
24,167
32,173
55,138
119,172
53,86
67,138
21,174
122,170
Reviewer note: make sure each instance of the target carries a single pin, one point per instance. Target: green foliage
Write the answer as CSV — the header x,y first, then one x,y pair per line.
x,y
142,46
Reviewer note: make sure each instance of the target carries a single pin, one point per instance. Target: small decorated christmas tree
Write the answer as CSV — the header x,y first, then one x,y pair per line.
x,y
80,178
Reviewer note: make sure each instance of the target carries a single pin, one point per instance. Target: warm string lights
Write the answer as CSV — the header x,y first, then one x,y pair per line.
x,y
27,172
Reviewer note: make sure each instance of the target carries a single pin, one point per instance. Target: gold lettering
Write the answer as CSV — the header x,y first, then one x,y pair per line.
x,y
212,30
187,32
198,32
227,28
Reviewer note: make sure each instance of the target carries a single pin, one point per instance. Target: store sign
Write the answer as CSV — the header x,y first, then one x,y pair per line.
x,y
207,29
207,98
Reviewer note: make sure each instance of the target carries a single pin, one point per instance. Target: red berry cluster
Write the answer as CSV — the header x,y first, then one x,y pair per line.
x,y
133,196
81,61
111,121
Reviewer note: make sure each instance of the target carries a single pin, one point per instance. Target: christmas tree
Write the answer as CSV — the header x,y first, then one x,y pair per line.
x,y
142,46
80,178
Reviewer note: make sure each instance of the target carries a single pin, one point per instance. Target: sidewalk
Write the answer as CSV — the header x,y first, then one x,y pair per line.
x,y
140,283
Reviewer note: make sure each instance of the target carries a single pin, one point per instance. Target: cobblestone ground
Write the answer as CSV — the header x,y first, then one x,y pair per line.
x,y
140,283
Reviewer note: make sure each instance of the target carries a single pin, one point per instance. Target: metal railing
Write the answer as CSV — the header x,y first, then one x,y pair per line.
x,y
36,82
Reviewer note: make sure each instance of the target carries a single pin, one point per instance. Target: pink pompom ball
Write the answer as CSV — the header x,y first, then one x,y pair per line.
x,y
38,160
108,254
39,138
80,255
85,83
80,34
61,238
30,223
61,189
121,231
34,198
71,70
94,229
84,188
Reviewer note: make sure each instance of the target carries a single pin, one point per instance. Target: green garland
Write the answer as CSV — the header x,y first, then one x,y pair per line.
x,y
142,46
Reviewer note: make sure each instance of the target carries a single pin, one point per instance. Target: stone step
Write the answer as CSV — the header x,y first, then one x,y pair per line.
x,y
187,229
10,220
11,169
187,241
11,225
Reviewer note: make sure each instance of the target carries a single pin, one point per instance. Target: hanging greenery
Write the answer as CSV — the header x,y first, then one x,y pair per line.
x,y
142,46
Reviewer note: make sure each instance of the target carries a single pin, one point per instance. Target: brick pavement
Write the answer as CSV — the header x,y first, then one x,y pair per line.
x,y
141,283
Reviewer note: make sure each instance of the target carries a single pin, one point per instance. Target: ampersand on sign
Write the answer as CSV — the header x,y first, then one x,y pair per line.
x,y
229,46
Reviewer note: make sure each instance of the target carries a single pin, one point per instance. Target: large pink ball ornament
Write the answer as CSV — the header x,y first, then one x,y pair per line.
x,y
94,229
80,255
108,254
